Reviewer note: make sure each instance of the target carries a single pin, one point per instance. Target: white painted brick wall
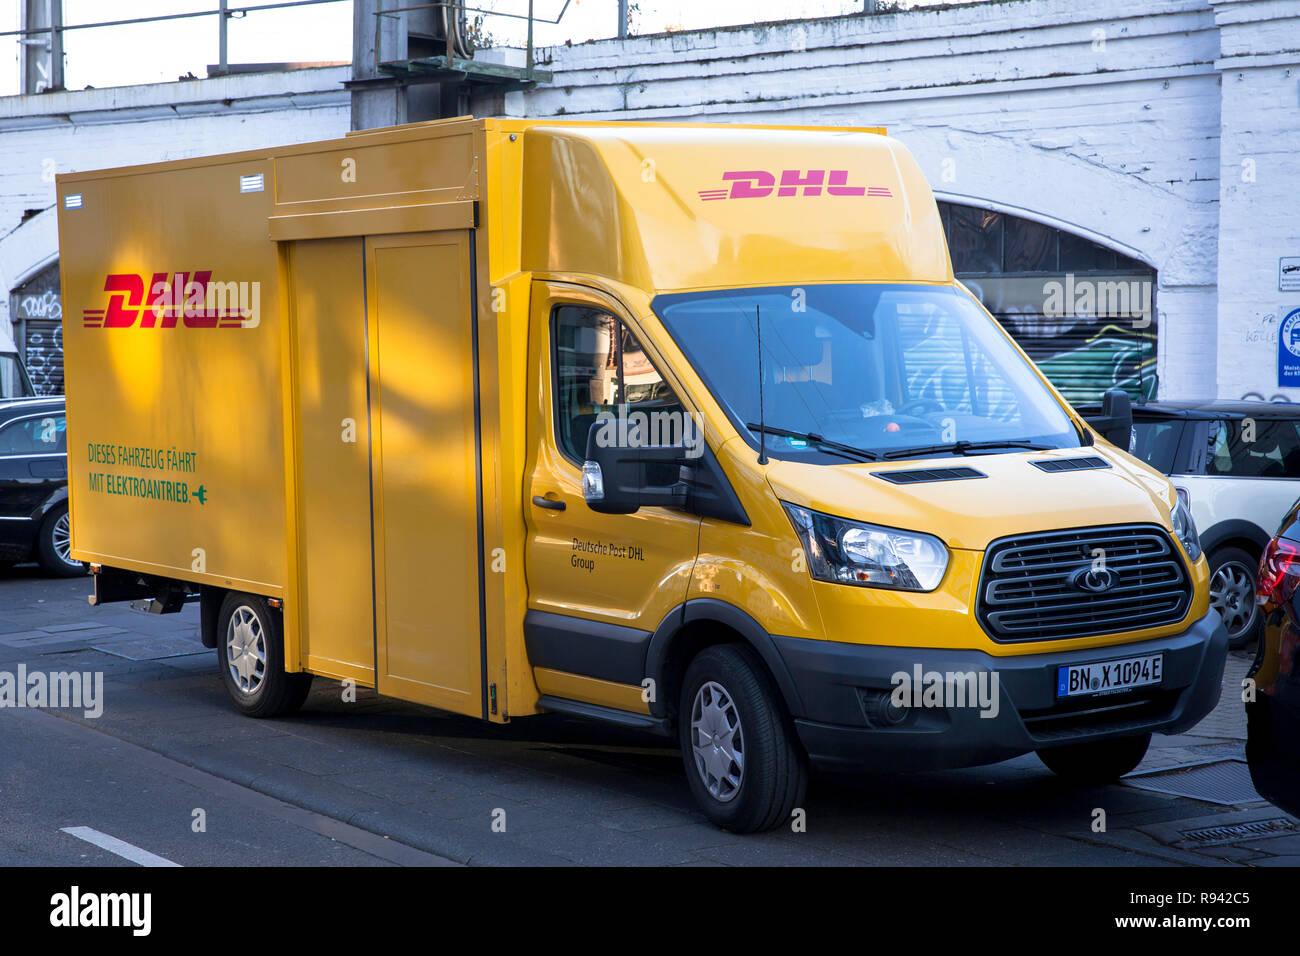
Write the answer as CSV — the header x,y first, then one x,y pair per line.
x,y
1103,118
1259,221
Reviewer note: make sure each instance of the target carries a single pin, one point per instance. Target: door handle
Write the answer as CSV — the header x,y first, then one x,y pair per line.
x,y
550,504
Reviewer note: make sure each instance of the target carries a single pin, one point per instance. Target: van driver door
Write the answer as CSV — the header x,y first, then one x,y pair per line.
x,y
598,584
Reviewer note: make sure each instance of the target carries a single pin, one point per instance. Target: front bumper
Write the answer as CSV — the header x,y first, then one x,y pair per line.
x,y
839,684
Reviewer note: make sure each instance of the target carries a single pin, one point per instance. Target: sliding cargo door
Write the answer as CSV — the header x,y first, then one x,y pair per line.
x,y
335,619
427,507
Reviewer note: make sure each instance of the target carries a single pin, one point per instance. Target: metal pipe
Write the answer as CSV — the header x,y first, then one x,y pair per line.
x,y
56,44
448,14
222,34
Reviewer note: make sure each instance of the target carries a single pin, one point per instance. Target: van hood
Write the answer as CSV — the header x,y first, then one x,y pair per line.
x,y
1015,497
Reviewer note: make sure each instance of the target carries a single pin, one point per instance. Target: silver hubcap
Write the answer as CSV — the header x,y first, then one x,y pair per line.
x,y
62,540
246,649
1232,594
717,741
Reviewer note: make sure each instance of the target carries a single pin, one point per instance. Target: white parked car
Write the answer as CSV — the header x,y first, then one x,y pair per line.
x,y
1237,466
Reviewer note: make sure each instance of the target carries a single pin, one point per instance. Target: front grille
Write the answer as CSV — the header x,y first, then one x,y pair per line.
x,y
1027,592
1112,714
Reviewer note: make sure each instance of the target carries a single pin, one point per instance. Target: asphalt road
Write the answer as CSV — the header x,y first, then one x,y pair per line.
x,y
380,782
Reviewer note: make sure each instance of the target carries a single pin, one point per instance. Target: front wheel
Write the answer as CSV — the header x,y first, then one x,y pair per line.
x,y
743,761
1101,761
1232,594
54,545
250,651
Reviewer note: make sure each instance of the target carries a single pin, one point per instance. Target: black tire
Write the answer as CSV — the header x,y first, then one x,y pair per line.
x,y
51,546
1102,761
270,690
1235,563
774,774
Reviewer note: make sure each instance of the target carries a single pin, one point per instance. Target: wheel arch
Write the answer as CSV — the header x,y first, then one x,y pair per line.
x,y
1235,532
59,496
701,623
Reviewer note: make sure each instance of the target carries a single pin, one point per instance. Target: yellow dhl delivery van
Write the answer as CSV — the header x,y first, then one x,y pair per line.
x,y
476,413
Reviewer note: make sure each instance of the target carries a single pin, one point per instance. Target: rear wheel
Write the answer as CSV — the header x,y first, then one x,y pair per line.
x,y
1102,761
743,761
250,650
54,545
1232,593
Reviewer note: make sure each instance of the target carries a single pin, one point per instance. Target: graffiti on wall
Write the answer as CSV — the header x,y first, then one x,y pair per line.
x,y
1083,312
36,308
1082,352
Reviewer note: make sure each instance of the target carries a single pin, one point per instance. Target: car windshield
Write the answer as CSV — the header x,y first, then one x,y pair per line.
x,y
1156,442
894,370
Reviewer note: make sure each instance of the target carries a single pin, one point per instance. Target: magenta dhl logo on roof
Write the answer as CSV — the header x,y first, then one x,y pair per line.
x,y
759,184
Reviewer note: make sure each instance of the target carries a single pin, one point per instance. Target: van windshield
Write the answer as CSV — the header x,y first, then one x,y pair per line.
x,y
895,371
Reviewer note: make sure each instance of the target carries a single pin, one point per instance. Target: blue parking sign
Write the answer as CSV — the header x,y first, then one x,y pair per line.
x,y
1288,350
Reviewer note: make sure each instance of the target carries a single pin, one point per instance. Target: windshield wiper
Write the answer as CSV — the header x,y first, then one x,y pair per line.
x,y
964,448
848,451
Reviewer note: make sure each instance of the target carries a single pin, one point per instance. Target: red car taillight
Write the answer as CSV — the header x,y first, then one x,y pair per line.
x,y
1279,570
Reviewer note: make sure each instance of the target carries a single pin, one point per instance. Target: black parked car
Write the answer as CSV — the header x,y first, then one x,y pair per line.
x,y
1236,466
34,485
1273,717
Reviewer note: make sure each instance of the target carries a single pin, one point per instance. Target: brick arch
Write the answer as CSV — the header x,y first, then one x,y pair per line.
x,y
1097,329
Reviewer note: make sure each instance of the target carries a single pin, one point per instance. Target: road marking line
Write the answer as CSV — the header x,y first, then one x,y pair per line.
x,y
366,841
112,844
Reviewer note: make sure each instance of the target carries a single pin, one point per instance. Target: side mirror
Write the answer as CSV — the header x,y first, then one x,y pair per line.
x,y
620,479
1116,419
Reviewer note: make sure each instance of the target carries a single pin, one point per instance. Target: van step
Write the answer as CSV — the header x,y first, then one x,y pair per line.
x,y
576,708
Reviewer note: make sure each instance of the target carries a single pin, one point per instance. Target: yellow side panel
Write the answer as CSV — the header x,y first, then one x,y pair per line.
x,y
427,562
175,402
337,598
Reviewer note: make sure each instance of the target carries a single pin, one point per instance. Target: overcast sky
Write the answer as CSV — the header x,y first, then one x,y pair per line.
x,y
155,52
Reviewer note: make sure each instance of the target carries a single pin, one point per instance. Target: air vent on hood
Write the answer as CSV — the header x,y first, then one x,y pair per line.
x,y
1070,464
918,475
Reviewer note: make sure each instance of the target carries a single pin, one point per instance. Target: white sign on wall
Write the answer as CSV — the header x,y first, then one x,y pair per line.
x,y
1288,274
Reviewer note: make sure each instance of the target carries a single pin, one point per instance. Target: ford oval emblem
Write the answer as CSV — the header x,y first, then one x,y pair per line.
x,y
1093,580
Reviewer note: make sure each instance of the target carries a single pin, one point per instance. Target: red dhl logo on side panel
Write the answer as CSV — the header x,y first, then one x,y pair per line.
x,y
190,299
759,184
